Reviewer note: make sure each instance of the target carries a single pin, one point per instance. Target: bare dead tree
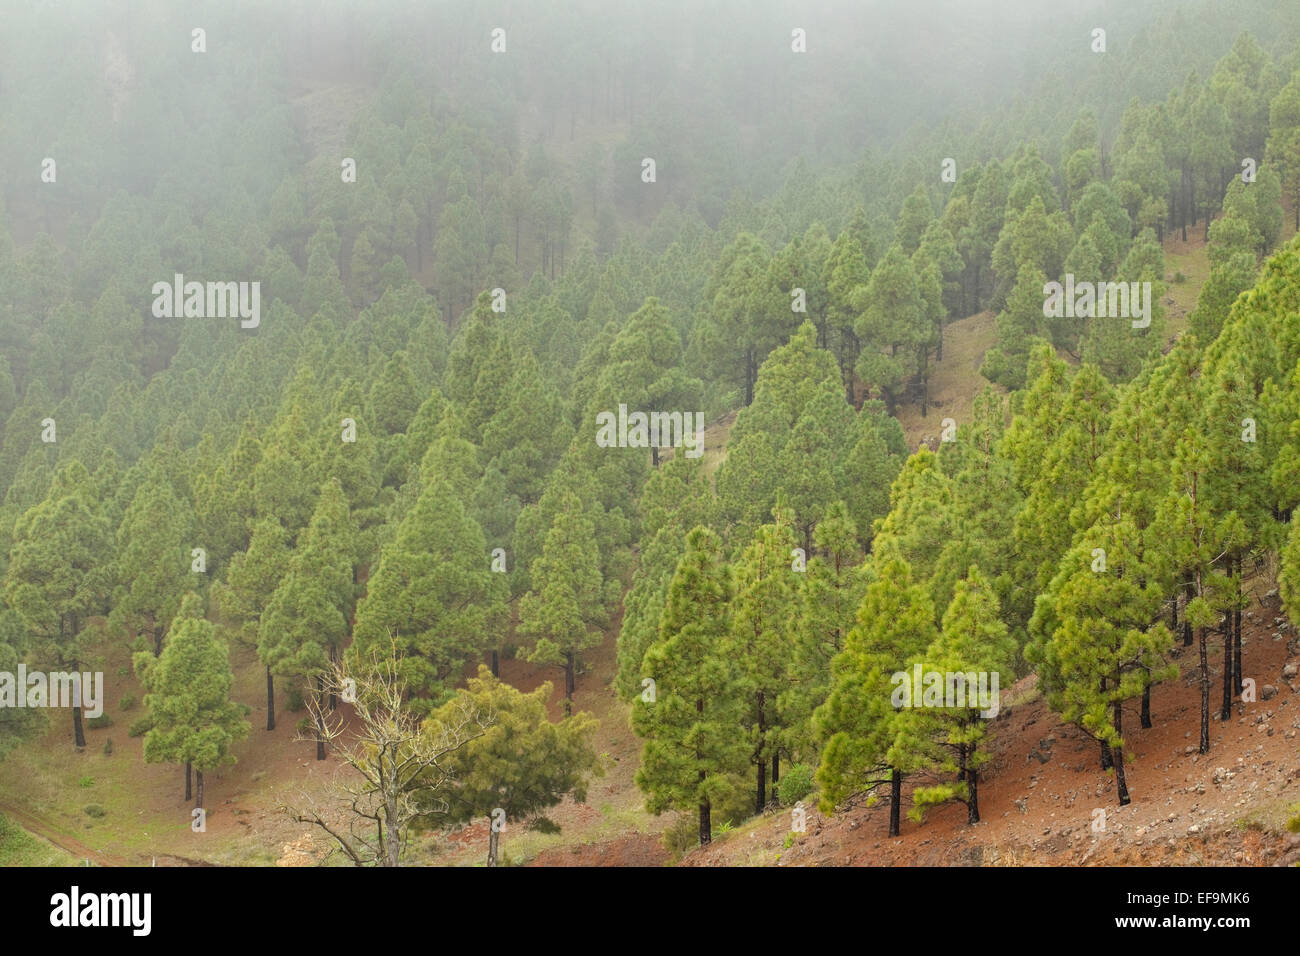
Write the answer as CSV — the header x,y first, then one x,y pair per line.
x,y
400,768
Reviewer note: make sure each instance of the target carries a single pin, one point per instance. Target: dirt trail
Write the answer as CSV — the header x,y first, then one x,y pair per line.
x,y
46,831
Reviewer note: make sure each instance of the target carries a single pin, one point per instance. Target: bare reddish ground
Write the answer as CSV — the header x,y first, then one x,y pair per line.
x,y
1187,809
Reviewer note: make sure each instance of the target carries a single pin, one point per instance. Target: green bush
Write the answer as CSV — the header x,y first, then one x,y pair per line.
x,y
108,747
305,727
86,782
100,722
682,836
94,810
140,727
796,783
293,701
127,702
1179,277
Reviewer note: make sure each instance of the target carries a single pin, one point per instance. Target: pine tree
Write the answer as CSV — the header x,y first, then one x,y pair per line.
x,y
858,724
433,600
307,618
763,612
194,720
1106,639
564,610
154,564
829,592
59,572
251,580
689,722
1197,541
973,643
523,764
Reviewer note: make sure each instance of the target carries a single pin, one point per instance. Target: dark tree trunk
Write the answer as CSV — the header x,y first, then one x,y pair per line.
x,y
1226,711
78,732
569,681
973,801
496,663
1236,639
270,700
189,790
776,771
1187,625
157,640
1205,695
1105,755
493,836
1145,717
1117,758
961,762
895,799
760,800
198,788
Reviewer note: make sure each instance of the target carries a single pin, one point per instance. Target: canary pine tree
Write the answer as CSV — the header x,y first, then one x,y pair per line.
x,y
857,724
690,710
307,619
763,613
973,643
194,721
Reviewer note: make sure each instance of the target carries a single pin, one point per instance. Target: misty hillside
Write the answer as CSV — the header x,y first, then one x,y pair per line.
x,y
563,433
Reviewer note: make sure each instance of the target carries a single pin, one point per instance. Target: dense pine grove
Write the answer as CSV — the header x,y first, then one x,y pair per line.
x,y
395,476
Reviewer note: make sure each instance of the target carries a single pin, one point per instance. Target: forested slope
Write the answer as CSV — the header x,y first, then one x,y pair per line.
x,y
472,254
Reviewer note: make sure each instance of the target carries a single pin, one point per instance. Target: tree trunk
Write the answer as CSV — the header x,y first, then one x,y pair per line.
x,y
496,663
270,700
157,640
334,697
1226,711
198,788
569,682
189,790
706,827
1205,696
1105,755
320,718
895,799
1118,760
1236,638
760,800
1146,707
1187,625
78,733
973,801
776,771
493,836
